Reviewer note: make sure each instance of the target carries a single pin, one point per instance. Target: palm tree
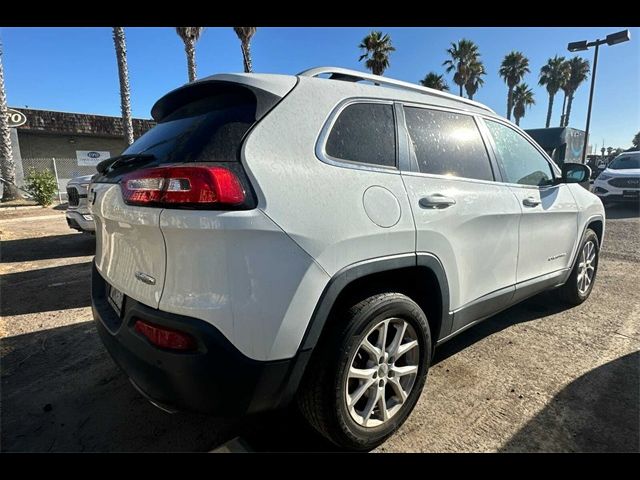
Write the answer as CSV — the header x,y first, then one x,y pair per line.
x,y
190,36
553,75
462,54
474,79
635,142
245,34
435,81
512,70
123,74
7,164
578,72
522,99
377,48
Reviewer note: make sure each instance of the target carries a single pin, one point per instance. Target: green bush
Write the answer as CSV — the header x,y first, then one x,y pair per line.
x,y
42,185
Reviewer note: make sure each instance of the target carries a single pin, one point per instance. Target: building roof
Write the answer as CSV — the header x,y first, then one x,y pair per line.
x,y
47,121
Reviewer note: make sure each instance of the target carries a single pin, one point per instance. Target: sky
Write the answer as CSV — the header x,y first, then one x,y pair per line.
x,y
75,70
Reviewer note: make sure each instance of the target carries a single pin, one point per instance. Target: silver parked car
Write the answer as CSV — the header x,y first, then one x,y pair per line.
x,y
79,216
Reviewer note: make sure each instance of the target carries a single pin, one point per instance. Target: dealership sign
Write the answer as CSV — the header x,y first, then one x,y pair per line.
x,y
15,118
91,157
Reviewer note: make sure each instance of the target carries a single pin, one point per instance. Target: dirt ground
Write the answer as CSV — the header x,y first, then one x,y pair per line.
x,y
533,378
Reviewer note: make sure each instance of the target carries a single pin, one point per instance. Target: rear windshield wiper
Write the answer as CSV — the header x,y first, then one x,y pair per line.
x,y
111,163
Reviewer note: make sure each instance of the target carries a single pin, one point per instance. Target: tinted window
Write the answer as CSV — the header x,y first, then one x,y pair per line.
x,y
625,162
447,144
206,130
364,133
521,161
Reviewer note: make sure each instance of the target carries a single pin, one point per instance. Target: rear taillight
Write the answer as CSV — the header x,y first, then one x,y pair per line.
x,y
164,337
192,186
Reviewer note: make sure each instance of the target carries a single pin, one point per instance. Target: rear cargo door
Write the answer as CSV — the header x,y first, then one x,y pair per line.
x,y
130,251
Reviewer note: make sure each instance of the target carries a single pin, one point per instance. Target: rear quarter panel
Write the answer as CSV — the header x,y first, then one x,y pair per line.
x,y
320,205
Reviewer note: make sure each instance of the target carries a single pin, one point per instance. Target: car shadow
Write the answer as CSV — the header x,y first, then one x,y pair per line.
x,y
46,289
534,308
52,246
598,412
61,392
622,210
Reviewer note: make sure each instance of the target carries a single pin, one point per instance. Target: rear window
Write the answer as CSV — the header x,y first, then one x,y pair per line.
x,y
209,129
625,162
364,133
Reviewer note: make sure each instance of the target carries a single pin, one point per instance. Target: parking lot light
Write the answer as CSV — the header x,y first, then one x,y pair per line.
x,y
611,39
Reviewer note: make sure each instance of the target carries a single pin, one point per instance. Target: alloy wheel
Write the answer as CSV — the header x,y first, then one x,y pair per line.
x,y
586,267
382,372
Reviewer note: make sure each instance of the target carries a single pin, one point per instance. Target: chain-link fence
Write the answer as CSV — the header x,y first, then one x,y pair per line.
x,y
64,169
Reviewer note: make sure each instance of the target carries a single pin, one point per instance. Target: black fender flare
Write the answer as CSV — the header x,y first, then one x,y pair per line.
x,y
333,289
362,269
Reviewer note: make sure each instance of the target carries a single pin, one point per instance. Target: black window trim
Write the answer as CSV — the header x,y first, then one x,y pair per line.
x,y
555,170
321,142
412,168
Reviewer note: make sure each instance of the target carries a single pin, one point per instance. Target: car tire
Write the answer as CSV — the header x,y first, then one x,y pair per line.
x,y
329,385
577,289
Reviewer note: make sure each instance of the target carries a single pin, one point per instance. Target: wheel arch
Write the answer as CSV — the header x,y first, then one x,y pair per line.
x,y
420,276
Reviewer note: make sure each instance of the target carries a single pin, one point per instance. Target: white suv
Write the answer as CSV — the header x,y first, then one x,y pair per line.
x,y
279,238
620,181
78,213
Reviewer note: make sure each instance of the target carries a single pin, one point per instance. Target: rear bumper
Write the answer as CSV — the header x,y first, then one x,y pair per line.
x,y
76,221
216,378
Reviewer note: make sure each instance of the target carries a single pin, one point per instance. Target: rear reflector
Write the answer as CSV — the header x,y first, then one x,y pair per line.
x,y
164,337
197,186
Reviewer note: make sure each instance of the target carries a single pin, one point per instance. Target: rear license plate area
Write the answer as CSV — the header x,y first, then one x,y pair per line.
x,y
116,299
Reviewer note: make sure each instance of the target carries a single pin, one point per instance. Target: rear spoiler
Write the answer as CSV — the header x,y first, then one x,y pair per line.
x,y
268,90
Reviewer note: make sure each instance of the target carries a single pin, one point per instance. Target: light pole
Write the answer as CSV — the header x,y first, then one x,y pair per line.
x,y
612,39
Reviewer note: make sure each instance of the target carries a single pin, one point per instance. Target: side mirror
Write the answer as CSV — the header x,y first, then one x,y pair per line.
x,y
575,173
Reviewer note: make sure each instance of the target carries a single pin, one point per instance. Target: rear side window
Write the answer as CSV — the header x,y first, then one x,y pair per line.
x,y
364,133
521,161
206,130
447,143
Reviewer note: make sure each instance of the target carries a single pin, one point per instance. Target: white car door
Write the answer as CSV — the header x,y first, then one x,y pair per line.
x,y
549,225
463,215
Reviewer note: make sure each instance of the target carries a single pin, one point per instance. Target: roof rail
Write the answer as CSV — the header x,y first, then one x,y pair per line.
x,y
345,74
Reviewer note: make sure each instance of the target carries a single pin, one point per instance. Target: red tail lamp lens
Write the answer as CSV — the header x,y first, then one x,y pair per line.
x,y
165,337
175,186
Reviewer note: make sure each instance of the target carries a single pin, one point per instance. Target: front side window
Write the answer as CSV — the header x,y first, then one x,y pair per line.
x,y
364,133
447,143
522,162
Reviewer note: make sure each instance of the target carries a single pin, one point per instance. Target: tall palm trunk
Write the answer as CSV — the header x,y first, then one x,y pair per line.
x,y
123,74
567,115
509,102
517,121
246,56
190,49
7,164
461,90
564,108
550,109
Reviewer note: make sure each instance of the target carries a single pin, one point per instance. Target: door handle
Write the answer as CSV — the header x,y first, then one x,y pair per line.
x,y
530,202
436,200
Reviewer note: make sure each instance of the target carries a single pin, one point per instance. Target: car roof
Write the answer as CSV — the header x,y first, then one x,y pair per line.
x,y
392,87
347,82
